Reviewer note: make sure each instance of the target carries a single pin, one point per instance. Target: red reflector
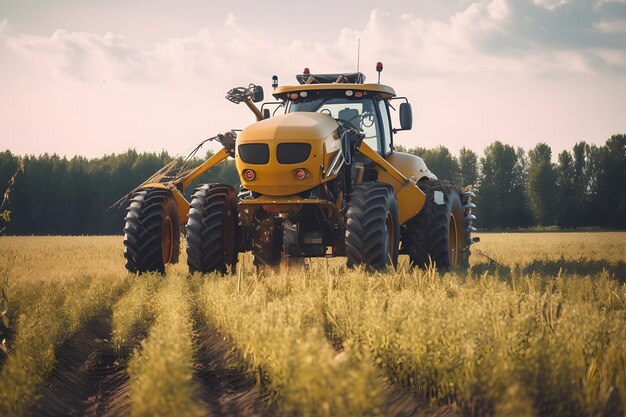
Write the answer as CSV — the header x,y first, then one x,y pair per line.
x,y
300,174
358,94
249,174
294,96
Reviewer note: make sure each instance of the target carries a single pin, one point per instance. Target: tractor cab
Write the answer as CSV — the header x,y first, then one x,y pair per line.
x,y
352,103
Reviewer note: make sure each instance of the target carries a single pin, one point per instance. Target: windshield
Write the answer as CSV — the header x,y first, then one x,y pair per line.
x,y
349,112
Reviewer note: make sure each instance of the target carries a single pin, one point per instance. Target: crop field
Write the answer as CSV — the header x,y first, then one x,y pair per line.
x,y
537,327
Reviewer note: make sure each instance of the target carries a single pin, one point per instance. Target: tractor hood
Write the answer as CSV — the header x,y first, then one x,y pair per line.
x,y
290,126
276,149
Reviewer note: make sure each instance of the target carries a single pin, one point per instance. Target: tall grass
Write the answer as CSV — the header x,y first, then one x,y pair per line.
x,y
535,328
523,347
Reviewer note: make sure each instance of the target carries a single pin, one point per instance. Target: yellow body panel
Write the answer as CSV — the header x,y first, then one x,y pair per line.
x,y
410,198
316,129
386,91
409,165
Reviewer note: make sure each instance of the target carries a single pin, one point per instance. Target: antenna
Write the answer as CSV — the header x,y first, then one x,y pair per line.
x,y
358,55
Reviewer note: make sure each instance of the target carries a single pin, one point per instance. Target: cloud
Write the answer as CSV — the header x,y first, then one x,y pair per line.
x,y
550,4
82,55
501,36
611,26
518,70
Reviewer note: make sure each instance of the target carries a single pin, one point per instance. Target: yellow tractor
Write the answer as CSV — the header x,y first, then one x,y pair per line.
x,y
321,179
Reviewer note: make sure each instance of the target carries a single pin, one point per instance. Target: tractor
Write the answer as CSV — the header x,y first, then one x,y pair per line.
x,y
319,178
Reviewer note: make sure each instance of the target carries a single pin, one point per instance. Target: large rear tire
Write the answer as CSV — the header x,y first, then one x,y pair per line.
x,y
437,234
372,229
212,229
151,231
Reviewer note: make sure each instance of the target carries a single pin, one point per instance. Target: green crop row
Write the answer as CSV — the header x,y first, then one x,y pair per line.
x,y
276,322
531,346
134,312
161,370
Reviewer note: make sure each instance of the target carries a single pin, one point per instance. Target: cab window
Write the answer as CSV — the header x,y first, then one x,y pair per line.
x,y
385,128
361,114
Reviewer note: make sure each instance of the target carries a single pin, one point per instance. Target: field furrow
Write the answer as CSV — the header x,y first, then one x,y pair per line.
x,y
225,387
87,379
39,334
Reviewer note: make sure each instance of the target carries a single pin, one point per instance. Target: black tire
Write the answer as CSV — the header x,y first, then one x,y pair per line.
x,y
437,234
151,231
266,248
372,229
212,229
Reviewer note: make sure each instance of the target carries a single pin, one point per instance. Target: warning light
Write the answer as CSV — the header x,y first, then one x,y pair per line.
x,y
300,174
249,174
379,69
307,72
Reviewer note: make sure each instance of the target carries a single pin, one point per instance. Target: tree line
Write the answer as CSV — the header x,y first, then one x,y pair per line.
x,y
55,195
586,187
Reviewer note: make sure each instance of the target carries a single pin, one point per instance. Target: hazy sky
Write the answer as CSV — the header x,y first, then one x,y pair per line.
x,y
95,77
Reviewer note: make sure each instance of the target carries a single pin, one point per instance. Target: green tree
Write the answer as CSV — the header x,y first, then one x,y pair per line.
x,y
502,202
582,182
609,185
566,186
468,167
541,184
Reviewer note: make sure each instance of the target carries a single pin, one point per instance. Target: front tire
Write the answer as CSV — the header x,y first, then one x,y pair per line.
x,y
437,234
212,229
151,231
372,229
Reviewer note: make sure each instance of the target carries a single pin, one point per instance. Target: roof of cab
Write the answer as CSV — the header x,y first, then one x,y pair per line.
x,y
321,82
384,90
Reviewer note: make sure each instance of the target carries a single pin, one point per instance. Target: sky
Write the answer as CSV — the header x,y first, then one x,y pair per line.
x,y
96,77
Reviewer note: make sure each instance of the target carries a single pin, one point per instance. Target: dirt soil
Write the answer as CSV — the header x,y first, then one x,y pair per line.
x,y
91,380
88,379
226,390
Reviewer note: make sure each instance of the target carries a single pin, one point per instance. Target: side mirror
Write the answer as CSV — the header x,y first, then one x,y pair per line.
x,y
257,94
406,116
266,113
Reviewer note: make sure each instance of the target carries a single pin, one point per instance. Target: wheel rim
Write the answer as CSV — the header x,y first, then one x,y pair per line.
x,y
391,237
229,238
453,242
167,237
